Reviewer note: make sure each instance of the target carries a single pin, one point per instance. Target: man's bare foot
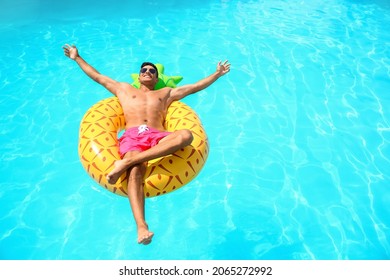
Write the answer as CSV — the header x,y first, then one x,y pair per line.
x,y
144,236
120,166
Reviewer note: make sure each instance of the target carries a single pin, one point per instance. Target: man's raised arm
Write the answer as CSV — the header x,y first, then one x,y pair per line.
x,y
107,82
181,92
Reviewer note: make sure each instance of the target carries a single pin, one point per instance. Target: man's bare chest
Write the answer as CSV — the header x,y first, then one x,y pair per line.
x,y
144,101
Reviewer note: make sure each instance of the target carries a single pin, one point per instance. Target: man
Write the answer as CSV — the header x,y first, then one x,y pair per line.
x,y
145,137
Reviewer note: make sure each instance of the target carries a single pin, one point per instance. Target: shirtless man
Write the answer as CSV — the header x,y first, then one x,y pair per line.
x,y
145,111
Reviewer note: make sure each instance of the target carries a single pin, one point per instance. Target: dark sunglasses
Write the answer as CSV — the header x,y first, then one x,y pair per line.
x,y
151,70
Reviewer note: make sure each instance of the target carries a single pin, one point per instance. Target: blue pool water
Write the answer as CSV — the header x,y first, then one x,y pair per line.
x,y
299,166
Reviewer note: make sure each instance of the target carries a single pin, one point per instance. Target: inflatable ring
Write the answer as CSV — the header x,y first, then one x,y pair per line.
x,y
98,148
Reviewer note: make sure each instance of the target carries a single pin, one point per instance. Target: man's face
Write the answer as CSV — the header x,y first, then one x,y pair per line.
x,y
148,75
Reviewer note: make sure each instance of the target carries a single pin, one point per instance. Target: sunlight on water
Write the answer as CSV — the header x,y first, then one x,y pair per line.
x,y
299,129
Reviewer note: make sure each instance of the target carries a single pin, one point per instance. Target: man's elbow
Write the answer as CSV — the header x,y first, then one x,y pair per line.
x,y
99,79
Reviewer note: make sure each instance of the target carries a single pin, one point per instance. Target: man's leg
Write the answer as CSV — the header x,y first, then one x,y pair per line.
x,y
135,192
168,145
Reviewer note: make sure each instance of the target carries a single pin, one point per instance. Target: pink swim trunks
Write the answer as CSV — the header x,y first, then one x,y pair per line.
x,y
140,138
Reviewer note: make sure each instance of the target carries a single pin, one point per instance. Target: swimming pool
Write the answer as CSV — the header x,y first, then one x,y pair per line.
x,y
299,129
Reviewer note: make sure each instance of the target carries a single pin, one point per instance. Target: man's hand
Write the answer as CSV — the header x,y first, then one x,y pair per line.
x,y
223,68
71,51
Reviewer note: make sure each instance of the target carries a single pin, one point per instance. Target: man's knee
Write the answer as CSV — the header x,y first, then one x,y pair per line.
x,y
186,136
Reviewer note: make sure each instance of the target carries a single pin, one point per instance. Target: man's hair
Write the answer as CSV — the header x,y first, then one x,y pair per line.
x,y
150,64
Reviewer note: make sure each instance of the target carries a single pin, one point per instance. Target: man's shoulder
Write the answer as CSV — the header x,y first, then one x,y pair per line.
x,y
127,86
164,90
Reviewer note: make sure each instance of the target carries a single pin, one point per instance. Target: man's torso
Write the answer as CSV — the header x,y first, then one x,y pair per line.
x,y
140,107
